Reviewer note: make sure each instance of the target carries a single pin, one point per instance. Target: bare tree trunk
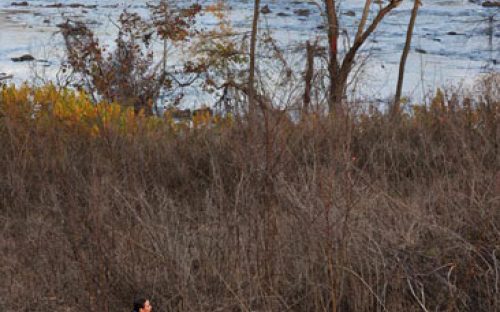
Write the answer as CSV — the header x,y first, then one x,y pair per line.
x,y
339,74
308,77
363,20
165,44
397,100
333,67
253,42
164,61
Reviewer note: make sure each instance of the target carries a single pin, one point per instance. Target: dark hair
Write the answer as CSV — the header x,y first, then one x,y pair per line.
x,y
139,304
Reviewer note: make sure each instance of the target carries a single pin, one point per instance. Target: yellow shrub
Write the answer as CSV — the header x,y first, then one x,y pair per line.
x,y
49,106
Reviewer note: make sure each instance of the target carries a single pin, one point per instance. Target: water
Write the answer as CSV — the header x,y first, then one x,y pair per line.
x,y
455,41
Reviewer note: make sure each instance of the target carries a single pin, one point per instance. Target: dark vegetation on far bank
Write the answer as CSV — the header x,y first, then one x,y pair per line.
x,y
360,212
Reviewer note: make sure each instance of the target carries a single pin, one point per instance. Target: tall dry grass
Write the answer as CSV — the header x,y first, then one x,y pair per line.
x,y
359,213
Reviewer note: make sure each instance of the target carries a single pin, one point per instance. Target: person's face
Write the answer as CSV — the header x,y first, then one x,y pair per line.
x,y
147,307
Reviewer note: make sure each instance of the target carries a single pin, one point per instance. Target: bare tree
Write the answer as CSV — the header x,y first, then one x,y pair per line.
x,y
339,70
309,72
253,42
404,56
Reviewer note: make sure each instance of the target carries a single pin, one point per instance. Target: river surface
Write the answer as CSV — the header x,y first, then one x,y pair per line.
x,y
455,41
